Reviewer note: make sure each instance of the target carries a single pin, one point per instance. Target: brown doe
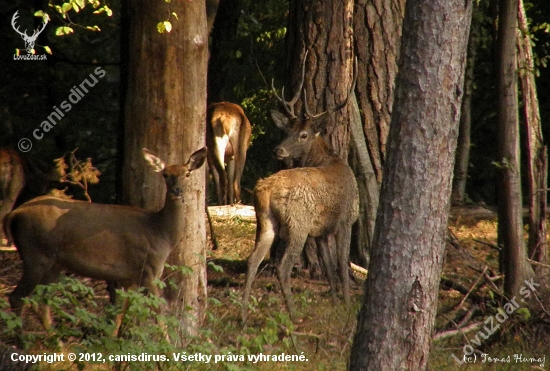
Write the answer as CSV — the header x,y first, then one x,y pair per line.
x,y
227,138
318,199
119,243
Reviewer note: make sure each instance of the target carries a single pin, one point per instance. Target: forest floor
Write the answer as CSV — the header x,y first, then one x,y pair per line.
x,y
469,297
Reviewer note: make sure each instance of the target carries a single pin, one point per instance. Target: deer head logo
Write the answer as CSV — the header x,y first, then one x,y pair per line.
x,y
29,40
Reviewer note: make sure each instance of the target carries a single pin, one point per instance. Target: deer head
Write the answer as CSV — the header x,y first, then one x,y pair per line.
x,y
301,133
29,40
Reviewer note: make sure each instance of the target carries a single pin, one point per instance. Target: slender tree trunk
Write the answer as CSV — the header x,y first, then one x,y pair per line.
x,y
165,111
536,151
516,268
462,159
396,320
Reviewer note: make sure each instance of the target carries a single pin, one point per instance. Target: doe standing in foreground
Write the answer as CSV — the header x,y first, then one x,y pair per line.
x,y
119,243
318,199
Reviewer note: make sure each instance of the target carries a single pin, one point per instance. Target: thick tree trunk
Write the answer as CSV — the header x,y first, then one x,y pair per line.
x,y
377,33
324,30
536,151
396,320
165,112
377,36
516,268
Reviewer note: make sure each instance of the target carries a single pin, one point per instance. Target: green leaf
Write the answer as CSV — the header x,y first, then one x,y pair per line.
x,y
168,26
63,30
48,50
66,7
108,11
525,312
175,15
161,28
80,3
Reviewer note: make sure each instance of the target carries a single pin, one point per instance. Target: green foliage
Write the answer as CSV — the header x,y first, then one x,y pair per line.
x,y
67,8
10,324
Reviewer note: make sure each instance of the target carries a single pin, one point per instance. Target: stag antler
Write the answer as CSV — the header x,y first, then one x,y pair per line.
x,y
289,106
341,105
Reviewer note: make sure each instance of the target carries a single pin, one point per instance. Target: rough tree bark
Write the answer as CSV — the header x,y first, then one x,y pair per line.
x,y
377,36
536,151
510,223
324,29
165,109
396,320
462,157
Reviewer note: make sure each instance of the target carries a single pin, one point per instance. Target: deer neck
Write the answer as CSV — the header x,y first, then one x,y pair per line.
x,y
170,219
319,155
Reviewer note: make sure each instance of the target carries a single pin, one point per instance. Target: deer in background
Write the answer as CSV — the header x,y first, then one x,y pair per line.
x,y
12,181
22,178
317,200
227,138
125,244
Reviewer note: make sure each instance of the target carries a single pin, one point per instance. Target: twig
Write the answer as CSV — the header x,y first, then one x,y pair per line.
x,y
467,316
494,287
471,289
458,331
492,246
540,303
359,269
538,263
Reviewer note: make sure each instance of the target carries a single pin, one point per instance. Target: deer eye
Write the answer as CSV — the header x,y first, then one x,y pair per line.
x,y
188,174
303,136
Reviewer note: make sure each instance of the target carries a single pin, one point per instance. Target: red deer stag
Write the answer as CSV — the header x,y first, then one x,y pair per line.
x,y
227,138
119,243
318,199
21,179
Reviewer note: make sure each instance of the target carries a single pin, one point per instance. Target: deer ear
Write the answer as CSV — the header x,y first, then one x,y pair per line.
x,y
156,163
197,159
280,120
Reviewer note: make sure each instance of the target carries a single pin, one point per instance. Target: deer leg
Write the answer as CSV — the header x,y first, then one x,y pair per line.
x,y
240,160
325,256
266,230
343,240
44,310
215,171
230,185
295,246
111,290
33,274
